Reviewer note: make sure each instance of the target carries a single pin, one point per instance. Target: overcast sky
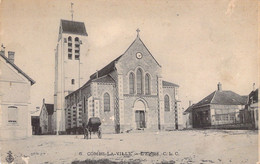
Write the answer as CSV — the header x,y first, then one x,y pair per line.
x,y
197,43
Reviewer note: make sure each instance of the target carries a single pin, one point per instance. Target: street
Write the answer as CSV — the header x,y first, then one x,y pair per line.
x,y
188,146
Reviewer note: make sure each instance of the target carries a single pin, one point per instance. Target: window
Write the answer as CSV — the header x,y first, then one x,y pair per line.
x,y
69,56
139,81
69,53
72,81
76,57
147,84
69,39
77,48
106,102
12,115
65,40
131,83
166,103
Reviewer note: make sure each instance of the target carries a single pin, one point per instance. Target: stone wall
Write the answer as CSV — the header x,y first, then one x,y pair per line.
x,y
107,117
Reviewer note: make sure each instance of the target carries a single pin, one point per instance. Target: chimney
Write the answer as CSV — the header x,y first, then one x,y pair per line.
x,y
190,103
253,86
219,86
11,56
2,50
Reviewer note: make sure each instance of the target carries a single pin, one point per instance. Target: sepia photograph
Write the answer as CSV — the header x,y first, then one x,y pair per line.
x,y
129,82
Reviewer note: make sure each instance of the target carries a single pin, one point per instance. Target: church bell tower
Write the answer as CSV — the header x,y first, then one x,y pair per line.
x,y
69,60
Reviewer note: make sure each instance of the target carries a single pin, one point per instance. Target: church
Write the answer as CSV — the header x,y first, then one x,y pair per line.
x,y
127,94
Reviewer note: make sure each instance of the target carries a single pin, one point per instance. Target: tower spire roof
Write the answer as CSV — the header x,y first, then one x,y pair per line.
x,y
71,10
73,27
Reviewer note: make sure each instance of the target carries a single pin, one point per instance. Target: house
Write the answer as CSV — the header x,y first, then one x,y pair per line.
x,y
127,94
35,121
252,107
220,109
47,118
187,116
15,119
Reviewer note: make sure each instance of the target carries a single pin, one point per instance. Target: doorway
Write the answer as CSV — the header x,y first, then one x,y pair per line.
x,y
140,119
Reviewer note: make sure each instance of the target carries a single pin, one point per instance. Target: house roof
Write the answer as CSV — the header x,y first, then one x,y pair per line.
x,y
166,83
189,109
73,27
222,98
104,79
49,108
105,70
253,96
16,67
36,113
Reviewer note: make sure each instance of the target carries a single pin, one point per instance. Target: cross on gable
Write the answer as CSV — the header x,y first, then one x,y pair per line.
x,y
138,31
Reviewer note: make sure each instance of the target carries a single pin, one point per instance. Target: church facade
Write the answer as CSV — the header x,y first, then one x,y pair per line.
x,y
127,94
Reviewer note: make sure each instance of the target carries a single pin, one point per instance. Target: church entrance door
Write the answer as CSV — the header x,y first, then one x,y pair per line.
x,y
139,119
139,115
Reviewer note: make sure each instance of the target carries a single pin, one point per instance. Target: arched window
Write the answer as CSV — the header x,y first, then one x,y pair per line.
x,y
139,81
69,39
166,103
147,84
76,39
131,83
106,102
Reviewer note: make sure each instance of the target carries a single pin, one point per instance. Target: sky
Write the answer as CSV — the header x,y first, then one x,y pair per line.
x,y
197,43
